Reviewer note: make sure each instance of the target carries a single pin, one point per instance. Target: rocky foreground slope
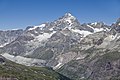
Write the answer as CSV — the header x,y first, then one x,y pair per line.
x,y
12,71
79,51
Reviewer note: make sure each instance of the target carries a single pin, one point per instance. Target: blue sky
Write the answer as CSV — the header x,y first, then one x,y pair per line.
x,y
16,14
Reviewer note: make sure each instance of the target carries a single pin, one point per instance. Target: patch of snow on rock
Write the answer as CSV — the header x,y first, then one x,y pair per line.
x,y
82,32
107,41
95,23
39,39
44,36
4,45
80,57
59,63
96,29
119,24
22,60
40,26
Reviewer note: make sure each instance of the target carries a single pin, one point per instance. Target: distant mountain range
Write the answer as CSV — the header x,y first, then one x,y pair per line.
x,y
89,51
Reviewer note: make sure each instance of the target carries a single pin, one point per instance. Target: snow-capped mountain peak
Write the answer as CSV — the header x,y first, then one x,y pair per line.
x,y
68,14
67,20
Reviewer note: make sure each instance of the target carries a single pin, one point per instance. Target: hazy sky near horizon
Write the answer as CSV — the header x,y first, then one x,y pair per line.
x,y
18,14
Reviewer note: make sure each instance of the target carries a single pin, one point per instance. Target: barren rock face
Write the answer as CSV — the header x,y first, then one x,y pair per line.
x,y
2,60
